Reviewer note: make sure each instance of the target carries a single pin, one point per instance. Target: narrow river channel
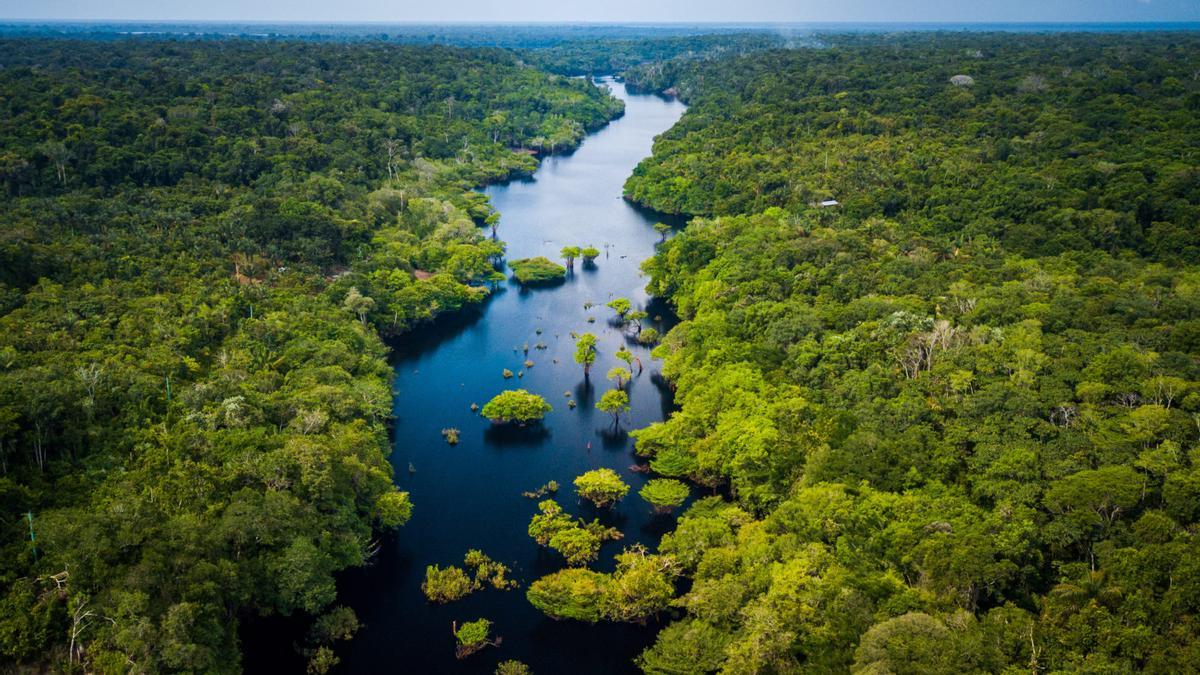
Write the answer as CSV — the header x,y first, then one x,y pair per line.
x,y
469,495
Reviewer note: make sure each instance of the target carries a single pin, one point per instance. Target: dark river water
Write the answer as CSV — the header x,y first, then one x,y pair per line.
x,y
469,495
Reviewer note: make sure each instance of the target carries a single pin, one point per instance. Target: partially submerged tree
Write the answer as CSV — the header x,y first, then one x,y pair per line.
x,y
628,357
664,494
621,306
516,405
472,636
446,585
578,541
585,352
602,487
589,253
453,583
619,375
641,587
662,229
637,316
488,572
614,402
570,253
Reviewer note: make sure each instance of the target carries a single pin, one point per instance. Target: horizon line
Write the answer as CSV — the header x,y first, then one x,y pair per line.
x,y
470,22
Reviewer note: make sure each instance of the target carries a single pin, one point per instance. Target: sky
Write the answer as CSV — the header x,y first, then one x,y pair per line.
x,y
558,11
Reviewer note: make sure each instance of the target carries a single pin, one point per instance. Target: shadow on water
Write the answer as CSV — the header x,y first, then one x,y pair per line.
x,y
428,336
514,436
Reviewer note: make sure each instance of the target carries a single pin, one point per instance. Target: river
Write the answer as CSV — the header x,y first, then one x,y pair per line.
x,y
469,495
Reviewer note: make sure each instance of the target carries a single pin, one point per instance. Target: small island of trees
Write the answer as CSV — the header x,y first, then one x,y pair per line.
x,y
516,405
537,271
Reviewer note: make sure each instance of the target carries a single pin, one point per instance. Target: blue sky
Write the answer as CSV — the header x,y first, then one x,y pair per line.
x,y
611,10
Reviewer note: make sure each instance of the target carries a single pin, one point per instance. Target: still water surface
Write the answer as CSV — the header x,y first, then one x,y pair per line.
x,y
469,495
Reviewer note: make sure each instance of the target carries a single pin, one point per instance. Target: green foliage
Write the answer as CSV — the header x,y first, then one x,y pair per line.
x,y
954,414
549,488
570,253
446,585
585,351
569,594
640,588
512,668
472,636
602,487
516,405
488,572
453,583
664,494
791,128
614,402
578,541
621,306
203,241
589,253
535,271
620,375
393,509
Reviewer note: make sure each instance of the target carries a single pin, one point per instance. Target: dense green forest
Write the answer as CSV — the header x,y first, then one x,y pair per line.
x,y
946,424
954,418
200,245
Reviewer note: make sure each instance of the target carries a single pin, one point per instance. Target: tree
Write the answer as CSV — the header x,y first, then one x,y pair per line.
x,y
662,229
512,668
577,541
59,155
585,352
393,509
578,545
642,586
569,594
602,487
614,402
648,336
686,646
358,303
628,357
912,643
446,585
664,494
637,316
472,636
620,375
621,306
549,522
516,405
391,148
570,253
589,253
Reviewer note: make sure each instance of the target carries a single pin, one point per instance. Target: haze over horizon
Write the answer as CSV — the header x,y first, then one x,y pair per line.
x,y
615,11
